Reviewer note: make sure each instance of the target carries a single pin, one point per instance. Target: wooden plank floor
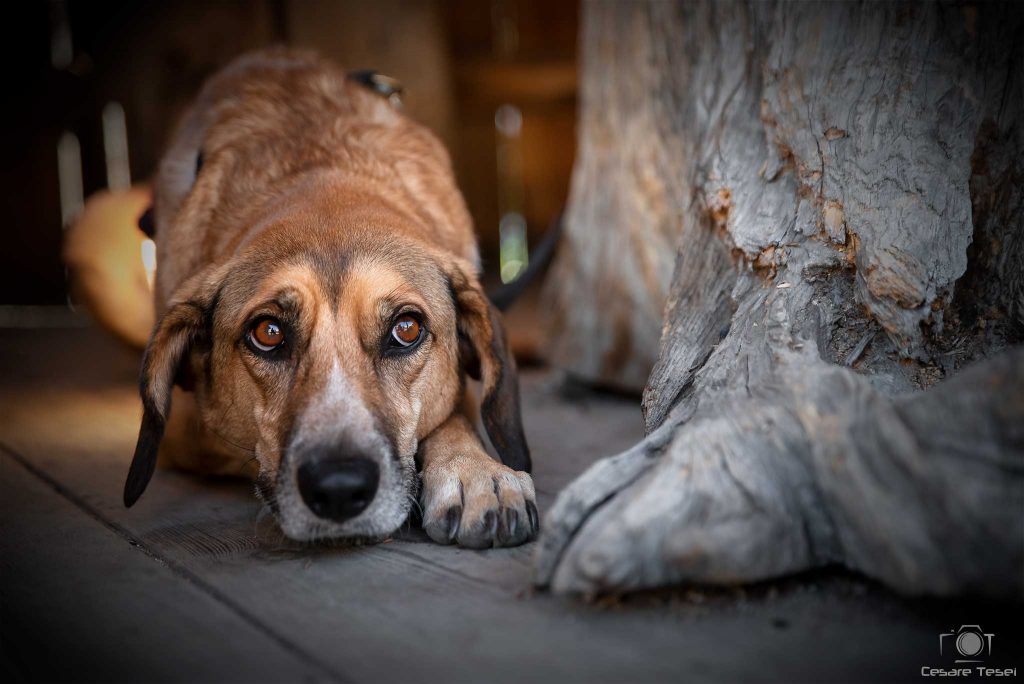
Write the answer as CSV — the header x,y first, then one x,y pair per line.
x,y
194,583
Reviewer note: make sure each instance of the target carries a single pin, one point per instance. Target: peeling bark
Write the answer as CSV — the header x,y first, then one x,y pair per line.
x,y
847,209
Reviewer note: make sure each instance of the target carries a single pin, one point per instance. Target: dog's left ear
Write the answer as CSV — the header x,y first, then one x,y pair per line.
x,y
168,347
486,356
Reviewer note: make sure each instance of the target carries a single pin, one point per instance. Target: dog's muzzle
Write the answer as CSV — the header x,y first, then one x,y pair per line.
x,y
338,476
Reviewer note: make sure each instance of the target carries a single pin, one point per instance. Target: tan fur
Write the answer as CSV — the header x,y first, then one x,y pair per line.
x,y
320,204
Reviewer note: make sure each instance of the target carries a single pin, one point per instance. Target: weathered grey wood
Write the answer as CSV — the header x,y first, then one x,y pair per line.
x,y
913,491
407,609
849,232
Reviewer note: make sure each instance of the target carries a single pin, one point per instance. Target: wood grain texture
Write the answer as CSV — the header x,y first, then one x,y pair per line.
x,y
157,625
850,241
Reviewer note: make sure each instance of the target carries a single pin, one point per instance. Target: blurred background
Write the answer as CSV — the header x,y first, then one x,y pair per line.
x,y
96,88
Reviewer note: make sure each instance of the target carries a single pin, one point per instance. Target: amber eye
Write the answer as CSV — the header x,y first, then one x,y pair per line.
x,y
406,330
267,334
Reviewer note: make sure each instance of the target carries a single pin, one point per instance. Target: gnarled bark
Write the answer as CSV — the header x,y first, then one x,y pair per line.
x,y
849,232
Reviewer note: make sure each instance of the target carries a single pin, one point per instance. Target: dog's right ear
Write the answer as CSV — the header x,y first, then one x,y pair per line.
x,y
168,347
485,356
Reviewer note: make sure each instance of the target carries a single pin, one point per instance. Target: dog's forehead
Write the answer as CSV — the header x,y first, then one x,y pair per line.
x,y
393,275
349,279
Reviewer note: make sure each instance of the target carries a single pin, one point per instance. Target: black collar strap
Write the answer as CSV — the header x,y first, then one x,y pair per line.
x,y
379,83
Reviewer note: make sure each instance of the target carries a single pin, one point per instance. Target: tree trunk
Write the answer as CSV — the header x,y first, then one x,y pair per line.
x,y
843,185
609,282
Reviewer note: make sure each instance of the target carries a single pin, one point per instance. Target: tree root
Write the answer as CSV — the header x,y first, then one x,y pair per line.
x,y
924,492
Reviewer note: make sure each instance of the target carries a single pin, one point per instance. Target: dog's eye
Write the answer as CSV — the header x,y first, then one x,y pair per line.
x,y
406,330
267,334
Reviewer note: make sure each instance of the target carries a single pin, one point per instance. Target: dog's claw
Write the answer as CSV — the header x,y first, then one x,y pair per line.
x,y
531,512
453,519
509,524
497,507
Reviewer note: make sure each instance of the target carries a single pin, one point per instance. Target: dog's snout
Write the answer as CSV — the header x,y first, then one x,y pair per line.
x,y
338,488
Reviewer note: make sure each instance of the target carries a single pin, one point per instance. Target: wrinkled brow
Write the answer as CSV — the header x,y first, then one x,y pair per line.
x,y
427,283
388,303
287,301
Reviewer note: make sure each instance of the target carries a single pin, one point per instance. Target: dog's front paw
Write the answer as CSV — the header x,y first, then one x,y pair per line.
x,y
477,502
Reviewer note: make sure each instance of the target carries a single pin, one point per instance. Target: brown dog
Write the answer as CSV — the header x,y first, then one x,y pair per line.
x,y
317,295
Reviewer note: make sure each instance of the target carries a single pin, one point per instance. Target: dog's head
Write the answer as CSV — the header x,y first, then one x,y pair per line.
x,y
335,332
332,363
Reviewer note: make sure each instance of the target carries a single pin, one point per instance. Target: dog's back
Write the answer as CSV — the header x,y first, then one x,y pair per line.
x,y
264,125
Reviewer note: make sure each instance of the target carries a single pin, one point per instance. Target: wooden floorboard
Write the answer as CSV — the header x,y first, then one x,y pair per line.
x,y
101,607
195,582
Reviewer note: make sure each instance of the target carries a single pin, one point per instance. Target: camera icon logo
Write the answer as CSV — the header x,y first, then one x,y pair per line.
x,y
970,641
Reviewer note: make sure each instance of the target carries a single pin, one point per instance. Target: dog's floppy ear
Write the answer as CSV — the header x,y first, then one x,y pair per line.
x,y
485,355
171,340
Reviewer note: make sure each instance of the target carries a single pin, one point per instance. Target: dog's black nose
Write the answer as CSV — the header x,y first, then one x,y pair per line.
x,y
339,488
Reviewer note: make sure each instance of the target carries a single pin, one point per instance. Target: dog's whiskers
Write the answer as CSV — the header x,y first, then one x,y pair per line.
x,y
244,466
227,441
414,503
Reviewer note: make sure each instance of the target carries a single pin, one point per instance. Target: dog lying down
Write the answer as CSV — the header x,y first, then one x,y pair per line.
x,y
317,298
